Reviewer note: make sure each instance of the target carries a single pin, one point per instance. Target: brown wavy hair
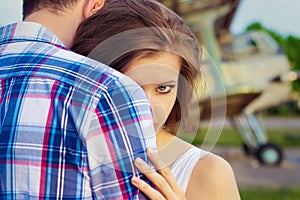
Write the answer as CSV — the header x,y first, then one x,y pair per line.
x,y
149,28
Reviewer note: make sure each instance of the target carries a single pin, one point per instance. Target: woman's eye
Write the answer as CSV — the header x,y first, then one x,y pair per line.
x,y
164,89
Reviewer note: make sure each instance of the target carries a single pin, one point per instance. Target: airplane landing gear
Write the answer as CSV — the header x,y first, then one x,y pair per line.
x,y
255,140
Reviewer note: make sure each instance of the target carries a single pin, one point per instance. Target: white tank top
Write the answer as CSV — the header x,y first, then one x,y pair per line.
x,y
184,165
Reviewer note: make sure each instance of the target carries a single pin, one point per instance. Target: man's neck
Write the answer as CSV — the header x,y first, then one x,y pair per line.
x,y
64,26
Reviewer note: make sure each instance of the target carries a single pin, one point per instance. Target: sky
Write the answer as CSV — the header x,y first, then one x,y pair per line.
x,y
279,15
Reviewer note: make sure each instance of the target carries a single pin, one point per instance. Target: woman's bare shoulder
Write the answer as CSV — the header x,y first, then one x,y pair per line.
x,y
212,178
213,163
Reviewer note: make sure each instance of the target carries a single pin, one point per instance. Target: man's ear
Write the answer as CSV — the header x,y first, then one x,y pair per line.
x,y
92,6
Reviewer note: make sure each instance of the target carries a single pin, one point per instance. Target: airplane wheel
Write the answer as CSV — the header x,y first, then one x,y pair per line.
x,y
270,154
246,149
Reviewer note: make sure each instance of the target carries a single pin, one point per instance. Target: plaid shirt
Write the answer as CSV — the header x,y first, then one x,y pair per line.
x,y
70,127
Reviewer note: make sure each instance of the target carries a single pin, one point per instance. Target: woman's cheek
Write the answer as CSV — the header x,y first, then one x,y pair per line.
x,y
162,111
160,115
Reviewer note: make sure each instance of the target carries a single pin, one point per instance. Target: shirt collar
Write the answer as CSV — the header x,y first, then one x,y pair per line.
x,y
28,31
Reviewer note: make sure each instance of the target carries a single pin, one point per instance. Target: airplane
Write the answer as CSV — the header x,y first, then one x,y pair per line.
x,y
245,73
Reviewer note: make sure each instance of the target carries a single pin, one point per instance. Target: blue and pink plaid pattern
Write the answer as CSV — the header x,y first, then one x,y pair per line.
x,y
70,127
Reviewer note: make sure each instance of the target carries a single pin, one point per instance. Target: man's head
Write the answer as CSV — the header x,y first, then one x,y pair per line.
x,y
62,17
54,6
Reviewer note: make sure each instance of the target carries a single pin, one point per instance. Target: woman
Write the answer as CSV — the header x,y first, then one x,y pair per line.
x,y
152,45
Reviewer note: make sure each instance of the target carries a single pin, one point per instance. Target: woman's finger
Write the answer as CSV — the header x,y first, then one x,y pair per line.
x,y
147,189
159,181
164,171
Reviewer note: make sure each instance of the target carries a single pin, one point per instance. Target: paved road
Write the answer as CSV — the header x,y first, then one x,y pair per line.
x,y
249,173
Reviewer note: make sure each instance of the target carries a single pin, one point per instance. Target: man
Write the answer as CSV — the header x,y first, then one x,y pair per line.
x,y
70,127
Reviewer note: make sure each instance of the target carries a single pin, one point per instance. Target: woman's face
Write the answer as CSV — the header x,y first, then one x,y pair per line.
x,y
158,76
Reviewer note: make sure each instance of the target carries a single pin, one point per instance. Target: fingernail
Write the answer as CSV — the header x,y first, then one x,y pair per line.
x,y
150,151
139,162
135,180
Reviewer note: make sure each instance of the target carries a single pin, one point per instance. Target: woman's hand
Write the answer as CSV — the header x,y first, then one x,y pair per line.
x,y
165,183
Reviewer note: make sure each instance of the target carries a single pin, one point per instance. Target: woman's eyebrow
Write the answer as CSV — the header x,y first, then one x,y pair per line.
x,y
169,82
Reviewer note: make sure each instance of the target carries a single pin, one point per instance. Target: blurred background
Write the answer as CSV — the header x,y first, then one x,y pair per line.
x,y
252,63
255,48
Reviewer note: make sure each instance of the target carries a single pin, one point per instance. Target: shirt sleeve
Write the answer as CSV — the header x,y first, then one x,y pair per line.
x,y
121,129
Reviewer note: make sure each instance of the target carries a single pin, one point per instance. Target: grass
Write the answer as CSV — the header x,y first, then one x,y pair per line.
x,y
230,137
270,194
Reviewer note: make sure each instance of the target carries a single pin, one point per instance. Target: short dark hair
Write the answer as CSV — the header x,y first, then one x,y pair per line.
x,y
55,6
168,32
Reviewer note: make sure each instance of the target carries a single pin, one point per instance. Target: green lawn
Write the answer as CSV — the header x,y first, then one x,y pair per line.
x,y
230,137
270,194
